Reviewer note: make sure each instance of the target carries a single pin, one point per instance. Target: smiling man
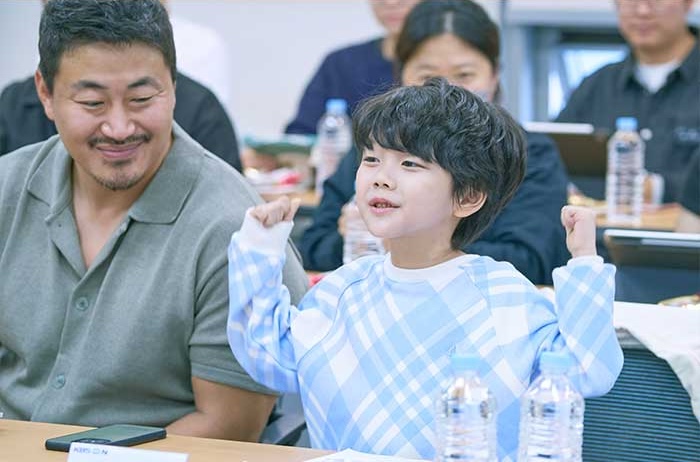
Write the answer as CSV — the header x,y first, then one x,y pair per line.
x,y
113,235
198,111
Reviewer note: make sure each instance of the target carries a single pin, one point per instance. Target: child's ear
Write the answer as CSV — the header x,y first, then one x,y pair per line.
x,y
470,204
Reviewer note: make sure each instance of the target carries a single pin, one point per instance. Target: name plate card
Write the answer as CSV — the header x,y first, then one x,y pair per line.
x,y
85,452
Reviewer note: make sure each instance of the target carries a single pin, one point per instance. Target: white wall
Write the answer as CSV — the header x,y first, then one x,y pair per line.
x,y
276,45
19,35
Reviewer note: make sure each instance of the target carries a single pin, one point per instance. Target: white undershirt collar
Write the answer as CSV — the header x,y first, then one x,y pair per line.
x,y
653,76
438,276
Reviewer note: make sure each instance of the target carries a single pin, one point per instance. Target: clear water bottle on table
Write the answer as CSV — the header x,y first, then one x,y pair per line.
x,y
358,241
624,186
465,417
551,415
333,141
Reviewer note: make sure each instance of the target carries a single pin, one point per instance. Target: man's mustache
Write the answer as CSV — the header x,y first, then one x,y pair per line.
x,y
93,142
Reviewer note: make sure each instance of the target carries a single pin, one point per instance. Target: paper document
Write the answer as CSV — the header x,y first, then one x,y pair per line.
x,y
349,455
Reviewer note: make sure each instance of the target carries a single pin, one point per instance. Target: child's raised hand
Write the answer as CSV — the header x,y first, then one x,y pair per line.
x,y
280,209
579,223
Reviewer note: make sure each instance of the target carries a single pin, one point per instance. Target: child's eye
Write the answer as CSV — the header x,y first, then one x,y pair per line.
x,y
464,76
370,160
411,164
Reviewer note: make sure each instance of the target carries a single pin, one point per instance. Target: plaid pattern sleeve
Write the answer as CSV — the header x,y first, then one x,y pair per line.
x,y
584,305
579,322
526,323
260,311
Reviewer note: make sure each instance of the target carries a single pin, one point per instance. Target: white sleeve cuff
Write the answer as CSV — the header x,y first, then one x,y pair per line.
x,y
270,241
586,260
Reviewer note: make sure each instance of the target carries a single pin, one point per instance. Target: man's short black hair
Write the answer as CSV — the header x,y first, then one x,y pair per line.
x,y
476,142
68,24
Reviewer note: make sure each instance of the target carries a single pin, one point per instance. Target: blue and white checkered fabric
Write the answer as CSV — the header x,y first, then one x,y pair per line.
x,y
368,347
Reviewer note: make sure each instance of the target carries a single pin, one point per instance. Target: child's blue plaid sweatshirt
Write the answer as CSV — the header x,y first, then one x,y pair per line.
x,y
368,347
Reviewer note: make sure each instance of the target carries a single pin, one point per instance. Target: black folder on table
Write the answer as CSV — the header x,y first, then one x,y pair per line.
x,y
653,265
582,148
659,249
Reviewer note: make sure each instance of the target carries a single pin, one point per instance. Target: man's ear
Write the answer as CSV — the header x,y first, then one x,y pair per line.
x,y
469,204
44,94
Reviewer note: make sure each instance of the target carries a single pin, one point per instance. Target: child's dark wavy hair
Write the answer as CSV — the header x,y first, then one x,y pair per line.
x,y
477,143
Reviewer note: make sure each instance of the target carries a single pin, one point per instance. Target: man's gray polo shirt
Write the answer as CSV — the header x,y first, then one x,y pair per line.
x,y
118,342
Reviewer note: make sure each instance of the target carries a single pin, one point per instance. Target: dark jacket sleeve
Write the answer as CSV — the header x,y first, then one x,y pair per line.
x,y
203,117
528,232
213,130
578,106
321,244
22,117
3,127
5,110
690,194
313,102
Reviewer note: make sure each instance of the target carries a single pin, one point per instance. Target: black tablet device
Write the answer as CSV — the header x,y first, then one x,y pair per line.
x,y
658,249
583,149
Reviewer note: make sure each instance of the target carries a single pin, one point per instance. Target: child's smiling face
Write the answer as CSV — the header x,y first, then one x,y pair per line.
x,y
404,198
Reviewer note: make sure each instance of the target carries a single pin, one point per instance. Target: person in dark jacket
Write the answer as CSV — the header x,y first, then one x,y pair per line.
x,y
658,83
354,72
197,111
689,216
456,39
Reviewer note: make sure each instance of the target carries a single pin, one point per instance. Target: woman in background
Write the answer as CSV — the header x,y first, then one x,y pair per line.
x,y
457,40
350,73
354,72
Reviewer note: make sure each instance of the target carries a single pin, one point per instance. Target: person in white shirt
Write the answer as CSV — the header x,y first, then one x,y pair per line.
x,y
202,53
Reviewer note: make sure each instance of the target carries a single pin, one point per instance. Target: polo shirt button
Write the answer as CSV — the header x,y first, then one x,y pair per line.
x,y
59,381
82,304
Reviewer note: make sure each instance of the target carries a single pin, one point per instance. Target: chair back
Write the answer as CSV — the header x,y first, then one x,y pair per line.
x,y
646,417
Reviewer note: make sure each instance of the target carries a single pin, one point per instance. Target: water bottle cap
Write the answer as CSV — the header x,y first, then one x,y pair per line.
x,y
627,124
465,362
336,106
554,361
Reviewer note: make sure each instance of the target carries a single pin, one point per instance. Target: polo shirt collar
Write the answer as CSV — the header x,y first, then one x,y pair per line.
x,y
50,180
688,70
165,196
162,200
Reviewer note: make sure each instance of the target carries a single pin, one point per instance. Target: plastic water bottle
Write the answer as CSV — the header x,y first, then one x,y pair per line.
x,y
551,415
333,141
624,189
358,241
466,416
